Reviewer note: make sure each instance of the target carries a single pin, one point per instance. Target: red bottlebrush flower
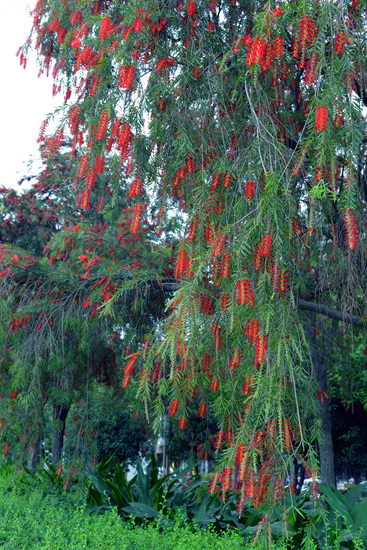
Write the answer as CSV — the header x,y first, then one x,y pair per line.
x,y
202,409
211,26
225,302
196,73
209,234
181,263
174,407
193,229
205,365
338,120
131,364
256,52
6,449
214,328
322,396
266,245
164,64
236,359
191,8
260,350
219,245
252,330
283,282
189,162
218,344
257,259
219,441
182,423
102,128
99,165
250,189
215,385
227,179
124,134
270,432
227,479
138,24
14,394
287,435
126,76
340,41
247,385
135,188
245,293
59,470
278,45
190,268
105,28
216,180
135,224
351,229
321,119
90,179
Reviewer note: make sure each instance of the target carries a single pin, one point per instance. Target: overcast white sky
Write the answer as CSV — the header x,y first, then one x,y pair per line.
x,y
25,100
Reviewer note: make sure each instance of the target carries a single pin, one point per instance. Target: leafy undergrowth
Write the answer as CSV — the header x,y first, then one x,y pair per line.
x,y
32,519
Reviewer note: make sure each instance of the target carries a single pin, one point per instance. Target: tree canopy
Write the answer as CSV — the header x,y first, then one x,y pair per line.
x,y
233,133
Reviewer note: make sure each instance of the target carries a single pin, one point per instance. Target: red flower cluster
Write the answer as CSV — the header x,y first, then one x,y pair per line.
x,y
105,28
135,187
252,330
181,263
305,37
250,189
227,178
102,127
164,64
136,222
191,8
351,229
341,40
196,73
266,246
174,407
260,350
245,293
215,385
182,423
202,409
321,119
235,359
126,77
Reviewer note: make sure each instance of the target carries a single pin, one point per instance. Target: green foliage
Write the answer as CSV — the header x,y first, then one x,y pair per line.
x,y
164,500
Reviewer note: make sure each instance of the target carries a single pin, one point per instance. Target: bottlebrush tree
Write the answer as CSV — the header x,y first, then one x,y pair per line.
x,y
245,121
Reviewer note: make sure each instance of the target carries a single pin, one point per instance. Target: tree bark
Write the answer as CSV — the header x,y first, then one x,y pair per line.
x,y
33,456
320,365
58,428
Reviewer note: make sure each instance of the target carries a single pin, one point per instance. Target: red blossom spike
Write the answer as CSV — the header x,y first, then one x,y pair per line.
x,y
135,225
136,187
219,245
182,423
102,128
193,229
235,359
227,178
181,263
257,258
105,28
321,119
191,8
250,189
266,246
202,409
214,385
260,350
225,302
174,407
350,221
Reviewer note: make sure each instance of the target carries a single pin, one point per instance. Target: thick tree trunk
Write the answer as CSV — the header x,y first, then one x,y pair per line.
x,y
58,427
33,456
320,365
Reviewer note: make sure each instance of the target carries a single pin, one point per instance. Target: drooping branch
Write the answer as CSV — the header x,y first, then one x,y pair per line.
x,y
332,313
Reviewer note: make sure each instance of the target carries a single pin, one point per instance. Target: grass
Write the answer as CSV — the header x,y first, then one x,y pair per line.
x,y
32,519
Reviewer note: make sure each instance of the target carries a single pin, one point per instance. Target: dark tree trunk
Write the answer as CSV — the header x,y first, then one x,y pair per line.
x,y
33,456
320,365
58,428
